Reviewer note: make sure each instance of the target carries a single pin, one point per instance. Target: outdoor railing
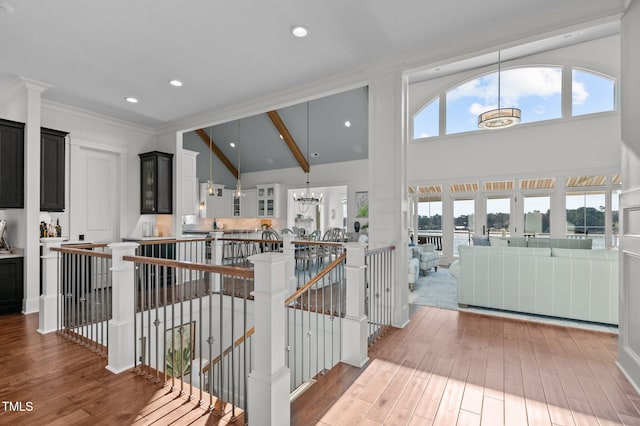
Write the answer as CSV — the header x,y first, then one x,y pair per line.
x,y
85,298
379,277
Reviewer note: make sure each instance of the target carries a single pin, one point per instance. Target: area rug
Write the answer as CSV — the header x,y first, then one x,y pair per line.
x,y
438,289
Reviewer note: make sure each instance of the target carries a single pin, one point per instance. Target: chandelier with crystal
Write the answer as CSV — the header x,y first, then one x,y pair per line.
x,y
307,198
502,117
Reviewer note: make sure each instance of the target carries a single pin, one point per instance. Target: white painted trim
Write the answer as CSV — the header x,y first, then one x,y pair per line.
x,y
83,113
98,146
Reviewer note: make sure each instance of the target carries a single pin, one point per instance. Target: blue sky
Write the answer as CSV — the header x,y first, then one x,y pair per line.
x,y
535,90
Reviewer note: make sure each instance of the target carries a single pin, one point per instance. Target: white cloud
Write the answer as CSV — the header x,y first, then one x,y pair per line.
x,y
515,84
580,93
424,135
538,110
477,109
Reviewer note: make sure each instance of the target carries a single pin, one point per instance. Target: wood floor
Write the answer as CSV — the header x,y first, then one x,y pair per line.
x,y
444,368
454,368
66,384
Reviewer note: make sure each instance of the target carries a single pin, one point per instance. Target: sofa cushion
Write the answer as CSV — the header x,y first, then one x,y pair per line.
x,y
584,254
566,243
498,242
504,251
516,241
481,241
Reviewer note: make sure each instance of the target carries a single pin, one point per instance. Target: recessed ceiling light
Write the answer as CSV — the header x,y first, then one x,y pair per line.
x,y
132,100
299,31
175,83
347,124
232,144
315,154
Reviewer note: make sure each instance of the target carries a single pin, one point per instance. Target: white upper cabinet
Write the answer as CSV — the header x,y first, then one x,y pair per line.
x,y
268,200
190,199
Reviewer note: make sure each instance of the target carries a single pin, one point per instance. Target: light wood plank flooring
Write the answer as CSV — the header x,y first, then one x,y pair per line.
x,y
456,368
67,384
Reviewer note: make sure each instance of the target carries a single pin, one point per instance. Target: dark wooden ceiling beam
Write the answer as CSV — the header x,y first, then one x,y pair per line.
x,y
209,142
288,139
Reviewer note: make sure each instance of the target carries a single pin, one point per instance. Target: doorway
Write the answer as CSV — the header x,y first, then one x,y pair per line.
x,y
94,200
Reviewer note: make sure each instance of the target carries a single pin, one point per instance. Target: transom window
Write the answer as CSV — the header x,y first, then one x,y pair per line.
x,y
537,91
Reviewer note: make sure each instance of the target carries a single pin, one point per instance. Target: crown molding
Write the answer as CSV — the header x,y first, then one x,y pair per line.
x,y
105,119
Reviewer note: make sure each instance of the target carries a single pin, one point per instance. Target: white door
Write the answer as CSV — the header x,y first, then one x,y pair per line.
x,y
94,195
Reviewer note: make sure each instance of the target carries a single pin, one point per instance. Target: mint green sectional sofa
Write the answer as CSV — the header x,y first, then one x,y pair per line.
x,y
567,283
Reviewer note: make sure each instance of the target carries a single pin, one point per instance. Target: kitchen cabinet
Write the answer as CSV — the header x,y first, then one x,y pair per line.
x,y
248,203
11,164
268,204
11,285
190,187
156,183
52,170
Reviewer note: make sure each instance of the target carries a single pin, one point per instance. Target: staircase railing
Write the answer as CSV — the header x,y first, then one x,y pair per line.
x,y
85,299
379,278
186,318
313,328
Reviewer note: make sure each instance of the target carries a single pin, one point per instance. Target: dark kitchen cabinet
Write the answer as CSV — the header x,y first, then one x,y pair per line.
x,y
11,285
52,171
156,183
11,164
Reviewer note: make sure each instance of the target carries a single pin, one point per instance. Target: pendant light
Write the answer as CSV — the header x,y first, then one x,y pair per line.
x,y
308,198
238,192
502,117
210,181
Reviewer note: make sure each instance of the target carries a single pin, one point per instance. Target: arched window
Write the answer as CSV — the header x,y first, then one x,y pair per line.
x,y
537,91
591,93
426,122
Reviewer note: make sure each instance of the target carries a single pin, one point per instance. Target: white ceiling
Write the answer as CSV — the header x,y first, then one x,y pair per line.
x,y
95,54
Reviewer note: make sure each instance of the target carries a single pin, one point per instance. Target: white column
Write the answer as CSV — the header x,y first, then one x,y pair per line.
x,y
121,340
354,324
32,196
629,331
388,201
216,258
289,249
269,381
50,297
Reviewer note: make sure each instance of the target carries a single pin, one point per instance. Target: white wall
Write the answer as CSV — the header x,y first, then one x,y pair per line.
x,y
559,147
111,134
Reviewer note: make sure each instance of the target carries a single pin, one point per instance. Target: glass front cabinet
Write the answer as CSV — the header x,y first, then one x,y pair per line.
x,y
156,187
268,200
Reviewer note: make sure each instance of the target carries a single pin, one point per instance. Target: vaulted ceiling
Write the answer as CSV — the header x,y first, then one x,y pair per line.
x,y
95,54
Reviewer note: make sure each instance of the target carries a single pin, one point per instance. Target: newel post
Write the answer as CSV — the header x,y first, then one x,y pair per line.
x,y
354,324
269,382
216,258
50,297
289,249
121,340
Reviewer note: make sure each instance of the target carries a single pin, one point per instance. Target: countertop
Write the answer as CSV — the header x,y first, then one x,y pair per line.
x,y
147,238
14,253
